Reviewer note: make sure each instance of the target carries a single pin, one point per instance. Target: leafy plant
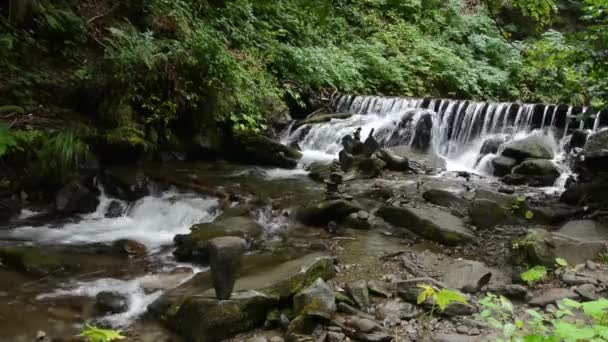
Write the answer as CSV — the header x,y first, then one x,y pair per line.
x,y
440,299
561,262
571,321
94,334
60,154
534,275
7,140
603,257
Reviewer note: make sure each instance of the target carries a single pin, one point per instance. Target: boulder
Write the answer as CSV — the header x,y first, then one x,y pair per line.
x,y
540,247
317,300
127,185
115,209
502,199
431,223
129,247
584,230
423,132
203,319
369,167
346,160
467,276
319,171
532,147
578,139
553,212
485,214
359,292
552,296
111,302
35,261
75,198
446,199
503,165
194,246
541,170
225,261
491,145
258,149
596,152
593,193
393,162
322,212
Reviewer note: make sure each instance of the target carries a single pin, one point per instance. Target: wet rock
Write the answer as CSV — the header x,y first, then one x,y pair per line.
x,y
8,209
397,309
370,167
75,198
370,145
360,220
446,199
111,302
194,247
292,282
596,153
36,261
532,147
321,118
594,192
260,150
379,288
578,139
467,275
552,296
316,300
587,292
318,171
208,319
393,162
511,291
540,247
423,133
359,293
126,185
486,214
540,171
491,145
115,209
129,247
431,223
346,160
321,213
225,261
503,165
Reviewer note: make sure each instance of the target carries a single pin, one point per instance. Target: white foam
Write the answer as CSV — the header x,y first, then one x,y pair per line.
x,y
153,221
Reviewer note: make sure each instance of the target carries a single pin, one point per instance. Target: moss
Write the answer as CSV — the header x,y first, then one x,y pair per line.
x,y
320,268
33,260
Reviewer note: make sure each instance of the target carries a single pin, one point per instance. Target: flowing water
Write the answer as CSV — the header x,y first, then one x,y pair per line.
x,y
459,128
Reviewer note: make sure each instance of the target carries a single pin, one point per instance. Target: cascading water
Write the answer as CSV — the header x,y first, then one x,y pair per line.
x,y
459,127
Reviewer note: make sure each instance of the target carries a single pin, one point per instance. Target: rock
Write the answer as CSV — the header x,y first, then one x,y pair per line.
x,y
486,214
542,171
393,162
467,276
129,247
194,247
346,160
361,220
115,209
225,261
594,192
502,199
75,198
397,309
431,223
8,209
35,261
587,292
455,338
126,185
363,325
333,336
491,145
370,145
316,300
554,213
578,139
258,149
111,302
321,118
446,199
596,152
503,165
552,296
511,291
585,230
379,288
370,167
322,212
540,247
423,132
318,171
359,293
206,319
532,147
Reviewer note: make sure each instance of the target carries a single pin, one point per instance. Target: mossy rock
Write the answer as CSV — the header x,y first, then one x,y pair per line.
x,y
322,212
121,145
322,268
34,261
258,149
201,319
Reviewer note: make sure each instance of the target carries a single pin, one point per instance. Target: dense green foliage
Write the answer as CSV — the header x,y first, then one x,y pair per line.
x,y
570,321
159,69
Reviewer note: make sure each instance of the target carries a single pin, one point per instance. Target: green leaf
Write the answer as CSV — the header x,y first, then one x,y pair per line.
x,y
427,292
534,275
508,330
445,297
571,332
561,262
596,309
529,215
95,334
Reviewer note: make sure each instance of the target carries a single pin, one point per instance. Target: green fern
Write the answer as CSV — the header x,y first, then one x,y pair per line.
x,y
60,154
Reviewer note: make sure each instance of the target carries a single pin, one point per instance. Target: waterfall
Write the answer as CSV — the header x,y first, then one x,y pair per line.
x,y
459,127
